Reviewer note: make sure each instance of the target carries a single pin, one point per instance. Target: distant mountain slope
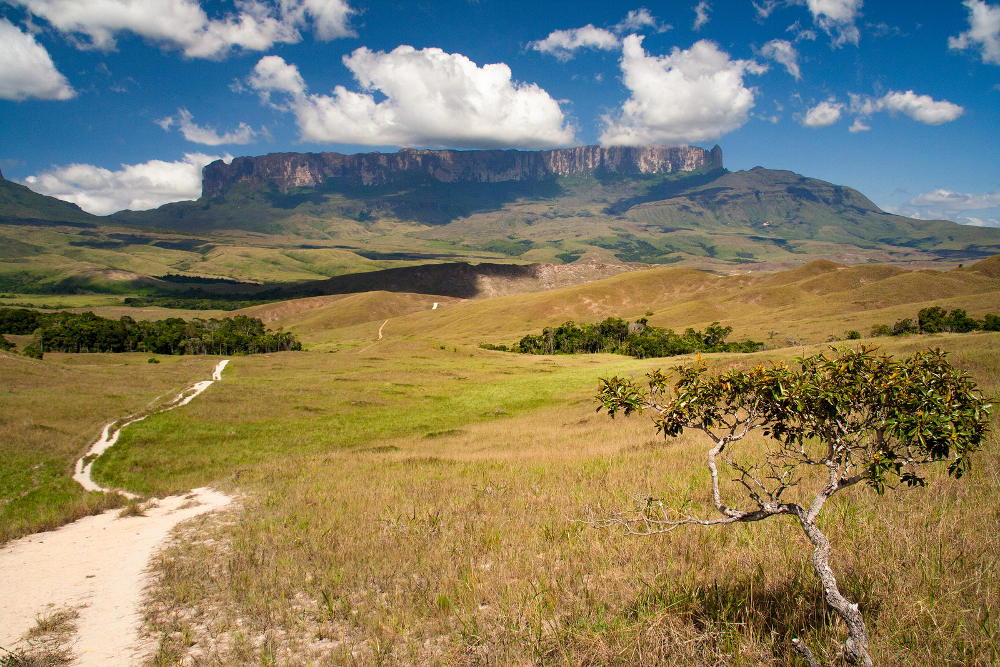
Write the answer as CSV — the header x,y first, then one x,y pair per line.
x,y
704,216
783,207
381,229
19,204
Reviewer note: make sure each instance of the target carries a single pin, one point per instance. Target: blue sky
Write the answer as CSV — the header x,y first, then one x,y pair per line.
x,y
118,103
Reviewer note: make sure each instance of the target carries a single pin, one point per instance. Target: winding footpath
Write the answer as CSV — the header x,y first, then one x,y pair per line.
x,y
96,566
109,438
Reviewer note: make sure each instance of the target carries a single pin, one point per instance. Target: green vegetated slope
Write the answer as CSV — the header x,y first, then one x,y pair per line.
x,y
53,410
714,219
64,259
20,204
723,221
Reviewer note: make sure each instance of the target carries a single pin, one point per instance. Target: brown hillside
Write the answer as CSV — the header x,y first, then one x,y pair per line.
x,y
808,305
989,267
817,267
341,310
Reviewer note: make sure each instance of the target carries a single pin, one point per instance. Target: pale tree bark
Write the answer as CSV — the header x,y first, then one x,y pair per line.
x,y
856,646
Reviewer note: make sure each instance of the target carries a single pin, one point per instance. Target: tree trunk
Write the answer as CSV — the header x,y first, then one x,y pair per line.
x,y
856,646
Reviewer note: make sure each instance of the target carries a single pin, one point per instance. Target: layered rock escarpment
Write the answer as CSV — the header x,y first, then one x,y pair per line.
x,y
286,171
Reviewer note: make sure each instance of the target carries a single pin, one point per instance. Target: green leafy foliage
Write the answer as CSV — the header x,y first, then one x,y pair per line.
x,y
511,247
875,418
637,339
937,320
32,350
87,332
19,320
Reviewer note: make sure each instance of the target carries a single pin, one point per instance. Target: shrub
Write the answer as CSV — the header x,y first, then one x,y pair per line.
x,y
858,417
32,350
881,330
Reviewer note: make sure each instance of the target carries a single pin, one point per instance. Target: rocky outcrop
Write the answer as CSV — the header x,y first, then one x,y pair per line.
x,y
285,171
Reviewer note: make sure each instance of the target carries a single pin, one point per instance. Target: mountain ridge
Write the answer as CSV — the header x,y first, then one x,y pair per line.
x,y
286,171
380,235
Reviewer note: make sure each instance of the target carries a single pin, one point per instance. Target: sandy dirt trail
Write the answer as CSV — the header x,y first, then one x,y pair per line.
x,y
108,437
97,565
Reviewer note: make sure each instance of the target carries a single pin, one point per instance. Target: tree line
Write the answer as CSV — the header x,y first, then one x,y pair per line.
x,y
87,332
637,339
935,320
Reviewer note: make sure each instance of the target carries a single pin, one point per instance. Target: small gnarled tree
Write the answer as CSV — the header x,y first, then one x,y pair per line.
x,y
831,421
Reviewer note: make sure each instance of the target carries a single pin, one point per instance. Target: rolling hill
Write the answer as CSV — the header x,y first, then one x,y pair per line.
x,y
810,304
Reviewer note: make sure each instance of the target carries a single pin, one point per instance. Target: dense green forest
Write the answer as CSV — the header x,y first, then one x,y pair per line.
x,y
935,320
87,332
637,339
191,303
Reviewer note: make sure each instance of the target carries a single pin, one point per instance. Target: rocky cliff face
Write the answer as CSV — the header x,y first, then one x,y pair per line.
x,y
285,171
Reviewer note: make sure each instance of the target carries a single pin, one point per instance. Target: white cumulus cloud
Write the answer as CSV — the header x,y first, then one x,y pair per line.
x,y
701,12
958,201
184,25
639,19
983,32
921,108
823,114
783,52
27,70
330,18
858,126
431,98
979,209
562,43
209,136
273,74
836,18
691,95
135,186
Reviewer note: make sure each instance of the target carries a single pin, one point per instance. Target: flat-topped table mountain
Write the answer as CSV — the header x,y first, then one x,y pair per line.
x,y
291,217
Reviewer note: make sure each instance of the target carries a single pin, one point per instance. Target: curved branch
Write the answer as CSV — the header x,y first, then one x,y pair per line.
x,y
653,526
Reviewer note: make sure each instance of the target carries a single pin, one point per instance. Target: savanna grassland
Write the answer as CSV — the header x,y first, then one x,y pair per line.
x,y
53,410
416,499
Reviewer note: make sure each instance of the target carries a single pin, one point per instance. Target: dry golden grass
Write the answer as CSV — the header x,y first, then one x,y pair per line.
x,y
459,545
415,500
47,644
807,305
323,313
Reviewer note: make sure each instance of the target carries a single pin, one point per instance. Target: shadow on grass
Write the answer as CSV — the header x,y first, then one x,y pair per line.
x,y
756,606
